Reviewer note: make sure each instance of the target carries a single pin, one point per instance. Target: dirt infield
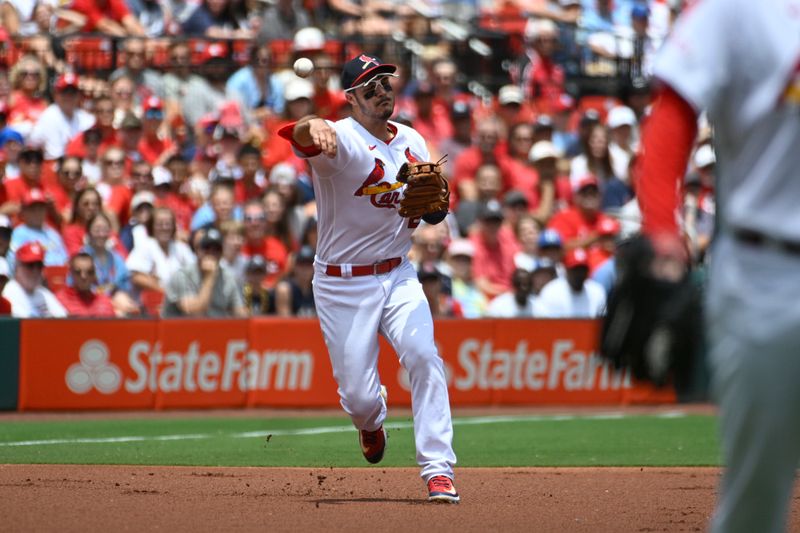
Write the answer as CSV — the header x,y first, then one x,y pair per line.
x,y
125,498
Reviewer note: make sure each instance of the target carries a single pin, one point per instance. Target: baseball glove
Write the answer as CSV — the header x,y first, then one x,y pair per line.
x,y
653,326
426,191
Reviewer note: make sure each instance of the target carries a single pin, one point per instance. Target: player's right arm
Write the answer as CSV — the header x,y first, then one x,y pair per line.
x,y
313,131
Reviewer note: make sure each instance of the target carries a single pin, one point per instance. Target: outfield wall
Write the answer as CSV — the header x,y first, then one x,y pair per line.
x,y
269,362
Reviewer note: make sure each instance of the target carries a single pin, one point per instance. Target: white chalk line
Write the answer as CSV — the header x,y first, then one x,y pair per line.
x,y
472,421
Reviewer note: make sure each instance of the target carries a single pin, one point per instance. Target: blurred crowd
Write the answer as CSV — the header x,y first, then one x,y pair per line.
x,y
160,187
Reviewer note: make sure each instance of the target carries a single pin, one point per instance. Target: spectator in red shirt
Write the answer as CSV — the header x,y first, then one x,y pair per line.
x,y
108,16
493,264
102,132
113,186
579,225
431,121
606,245
252,182
484,150
538,75
85,205
512,108
79,297
27,101
523,176
155,146
257,242
31,159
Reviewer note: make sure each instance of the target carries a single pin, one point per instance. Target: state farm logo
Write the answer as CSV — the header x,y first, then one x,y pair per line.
x,y
94,370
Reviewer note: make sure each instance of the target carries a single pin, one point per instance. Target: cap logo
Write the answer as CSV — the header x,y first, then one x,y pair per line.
x,y
367,61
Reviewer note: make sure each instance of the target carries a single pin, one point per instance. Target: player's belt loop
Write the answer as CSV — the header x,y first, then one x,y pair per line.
x,y
347,270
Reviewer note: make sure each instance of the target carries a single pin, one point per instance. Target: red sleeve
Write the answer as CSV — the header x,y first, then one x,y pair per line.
x,y
287,132
667,140
72,235
90,9
119,10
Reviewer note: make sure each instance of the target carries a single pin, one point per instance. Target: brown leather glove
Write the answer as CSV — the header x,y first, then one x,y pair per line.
x,y
426,190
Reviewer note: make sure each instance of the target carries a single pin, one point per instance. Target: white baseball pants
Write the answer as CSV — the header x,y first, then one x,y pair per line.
x,y
754,327
352,311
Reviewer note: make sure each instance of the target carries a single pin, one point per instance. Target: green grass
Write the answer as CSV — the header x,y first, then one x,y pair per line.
x,y
512,441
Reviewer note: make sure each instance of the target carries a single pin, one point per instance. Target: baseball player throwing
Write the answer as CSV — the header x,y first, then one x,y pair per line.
x,y
740,61
363,282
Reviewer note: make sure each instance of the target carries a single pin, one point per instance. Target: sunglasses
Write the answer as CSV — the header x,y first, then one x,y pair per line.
x,y
71,173
140,174
114,162
30,74
33,266
83,272
156,114
372,85
254,218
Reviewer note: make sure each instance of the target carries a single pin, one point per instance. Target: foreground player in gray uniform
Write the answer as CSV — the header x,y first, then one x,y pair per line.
x,y
740,61
363,281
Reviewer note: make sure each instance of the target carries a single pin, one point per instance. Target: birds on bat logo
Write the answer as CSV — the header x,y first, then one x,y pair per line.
x,y
376,186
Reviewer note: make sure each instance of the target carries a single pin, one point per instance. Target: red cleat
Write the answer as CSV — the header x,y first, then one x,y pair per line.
x,y
441,489
373,444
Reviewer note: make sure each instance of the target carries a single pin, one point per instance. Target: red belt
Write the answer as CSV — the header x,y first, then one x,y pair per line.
x,y
382,267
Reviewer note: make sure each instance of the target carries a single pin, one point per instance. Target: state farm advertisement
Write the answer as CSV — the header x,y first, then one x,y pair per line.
x,y
162,364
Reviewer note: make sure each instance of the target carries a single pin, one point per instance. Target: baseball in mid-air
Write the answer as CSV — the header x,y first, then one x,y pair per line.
x,y
303,67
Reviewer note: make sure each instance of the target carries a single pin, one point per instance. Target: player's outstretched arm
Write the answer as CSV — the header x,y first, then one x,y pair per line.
x,y
312,130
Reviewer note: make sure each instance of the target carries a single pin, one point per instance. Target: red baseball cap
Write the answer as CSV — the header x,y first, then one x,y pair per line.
x,y
215,51
586,181
153,103
576,257
33,196
30,252
64,81
608,227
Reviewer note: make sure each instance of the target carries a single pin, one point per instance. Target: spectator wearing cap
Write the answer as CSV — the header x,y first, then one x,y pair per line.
x,y
62,120
186,93
578,225
27,101
551,248
472,301
461,118
494,254
258,243
258,91
155,145
11,144
5,274
515,207
541,79
603,250
112,17
486,148
135,231
294,296
622,125
31,159
512,108
698,201
34,228
146,81
488,185
281,21
204,287
553,190
516,303
574,295
216,19
159,257
28,296
441,303
129,136
258,300
79,297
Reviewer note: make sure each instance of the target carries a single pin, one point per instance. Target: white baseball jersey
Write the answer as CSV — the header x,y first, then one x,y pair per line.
x,y
357,195
740,60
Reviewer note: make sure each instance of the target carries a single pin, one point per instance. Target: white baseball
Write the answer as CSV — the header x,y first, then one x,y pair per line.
x,y
303,67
